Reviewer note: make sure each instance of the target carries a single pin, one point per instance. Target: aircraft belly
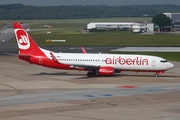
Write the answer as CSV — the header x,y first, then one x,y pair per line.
x,y
135,67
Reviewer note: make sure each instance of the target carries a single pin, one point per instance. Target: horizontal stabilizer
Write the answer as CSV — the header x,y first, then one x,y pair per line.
x,y
24,55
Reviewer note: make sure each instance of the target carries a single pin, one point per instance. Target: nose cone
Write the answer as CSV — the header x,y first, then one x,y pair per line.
x,y
170,65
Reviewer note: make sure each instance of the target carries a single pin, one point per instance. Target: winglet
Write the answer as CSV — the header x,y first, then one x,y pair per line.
x,y
83,50
54,58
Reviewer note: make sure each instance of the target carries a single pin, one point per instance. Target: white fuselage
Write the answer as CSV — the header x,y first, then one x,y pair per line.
x,y
117,61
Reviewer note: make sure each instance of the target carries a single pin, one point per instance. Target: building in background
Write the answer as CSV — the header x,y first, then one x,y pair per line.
x,y
175,20
174,16
131,26
139,27
110,25
143,27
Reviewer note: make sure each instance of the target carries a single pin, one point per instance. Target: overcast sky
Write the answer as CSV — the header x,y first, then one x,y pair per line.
x,y
90,2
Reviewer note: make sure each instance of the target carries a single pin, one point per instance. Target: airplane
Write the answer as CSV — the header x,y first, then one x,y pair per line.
x,y
101,64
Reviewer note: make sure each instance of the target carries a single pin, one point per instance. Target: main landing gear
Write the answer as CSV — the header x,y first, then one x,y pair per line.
x,y
91,73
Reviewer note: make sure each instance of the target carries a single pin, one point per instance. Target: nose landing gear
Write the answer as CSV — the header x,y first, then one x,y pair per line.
x,y
157,75
159,72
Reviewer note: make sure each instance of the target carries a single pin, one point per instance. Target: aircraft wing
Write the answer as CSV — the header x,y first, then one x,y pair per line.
x,y
86,66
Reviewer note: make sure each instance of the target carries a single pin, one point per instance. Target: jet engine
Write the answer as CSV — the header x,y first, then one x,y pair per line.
x,y
107,70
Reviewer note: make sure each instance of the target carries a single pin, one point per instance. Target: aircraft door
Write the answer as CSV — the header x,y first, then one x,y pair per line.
x,y
153,63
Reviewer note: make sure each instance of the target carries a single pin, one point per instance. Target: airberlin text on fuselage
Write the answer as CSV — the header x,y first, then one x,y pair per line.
x,y
127,61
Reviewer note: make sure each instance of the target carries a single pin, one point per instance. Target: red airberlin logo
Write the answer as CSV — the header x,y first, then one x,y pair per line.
x,y
22,39
126,61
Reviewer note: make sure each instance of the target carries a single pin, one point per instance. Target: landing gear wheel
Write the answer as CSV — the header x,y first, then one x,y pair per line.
x,y
94,73
157,75
89,74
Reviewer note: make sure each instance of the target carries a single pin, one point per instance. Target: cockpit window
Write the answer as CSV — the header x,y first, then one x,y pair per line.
x,y
164,61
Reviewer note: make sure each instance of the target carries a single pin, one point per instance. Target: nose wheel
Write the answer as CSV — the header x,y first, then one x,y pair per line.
x,y
157,75
159,72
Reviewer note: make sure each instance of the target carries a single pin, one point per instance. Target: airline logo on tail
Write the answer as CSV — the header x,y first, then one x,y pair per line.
x,y
23,39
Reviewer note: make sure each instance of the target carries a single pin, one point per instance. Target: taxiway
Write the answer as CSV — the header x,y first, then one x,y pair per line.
x,y
34,92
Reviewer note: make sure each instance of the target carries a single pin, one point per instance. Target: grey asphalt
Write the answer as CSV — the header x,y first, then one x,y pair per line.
x,y
88,94
6,33
42,85
34,92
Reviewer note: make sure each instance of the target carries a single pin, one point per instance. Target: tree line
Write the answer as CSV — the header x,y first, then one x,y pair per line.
x,y
29,12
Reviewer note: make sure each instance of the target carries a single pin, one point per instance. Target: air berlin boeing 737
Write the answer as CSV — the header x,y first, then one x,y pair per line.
x,y
102,64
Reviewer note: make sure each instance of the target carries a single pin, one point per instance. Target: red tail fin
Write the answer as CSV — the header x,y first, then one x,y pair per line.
x,y
25,43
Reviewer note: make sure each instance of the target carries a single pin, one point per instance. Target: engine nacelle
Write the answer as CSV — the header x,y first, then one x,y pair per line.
x,y
106,70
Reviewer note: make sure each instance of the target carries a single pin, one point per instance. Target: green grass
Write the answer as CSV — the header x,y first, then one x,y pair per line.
x,y
55,33
120,38
71,26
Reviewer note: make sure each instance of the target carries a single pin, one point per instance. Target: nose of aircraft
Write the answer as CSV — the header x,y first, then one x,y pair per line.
x,y
170,65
